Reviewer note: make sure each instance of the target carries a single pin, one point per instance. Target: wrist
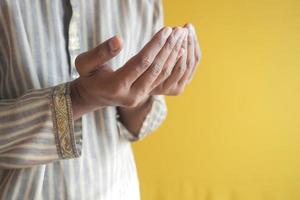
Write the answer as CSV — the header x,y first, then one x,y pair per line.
x,y
145,103
79,104
133,117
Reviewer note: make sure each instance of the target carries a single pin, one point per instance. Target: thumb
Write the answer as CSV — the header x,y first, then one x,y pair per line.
x,y
88,62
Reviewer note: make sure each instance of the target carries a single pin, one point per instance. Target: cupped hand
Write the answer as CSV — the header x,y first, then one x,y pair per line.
x,y
180,74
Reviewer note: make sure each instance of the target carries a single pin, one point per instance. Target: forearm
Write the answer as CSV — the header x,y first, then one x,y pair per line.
x,y
133,117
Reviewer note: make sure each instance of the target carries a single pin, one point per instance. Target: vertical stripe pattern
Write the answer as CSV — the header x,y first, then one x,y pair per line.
x,y
44,153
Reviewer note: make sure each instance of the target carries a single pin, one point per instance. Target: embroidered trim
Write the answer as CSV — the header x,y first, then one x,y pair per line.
x,y
62,121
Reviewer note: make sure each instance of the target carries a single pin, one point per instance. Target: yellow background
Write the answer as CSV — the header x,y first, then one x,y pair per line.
x,y
235,132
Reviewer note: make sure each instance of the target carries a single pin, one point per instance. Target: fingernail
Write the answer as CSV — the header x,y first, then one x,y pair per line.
x,y
190,26
114,44
190,34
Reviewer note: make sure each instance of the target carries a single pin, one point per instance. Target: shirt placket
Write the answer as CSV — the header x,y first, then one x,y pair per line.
x,y
74,37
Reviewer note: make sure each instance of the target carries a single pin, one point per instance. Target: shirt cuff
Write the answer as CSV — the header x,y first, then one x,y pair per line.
x,y
68,134
153,120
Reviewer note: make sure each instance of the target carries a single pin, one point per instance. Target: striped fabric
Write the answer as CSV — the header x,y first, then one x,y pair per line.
x,y
44,153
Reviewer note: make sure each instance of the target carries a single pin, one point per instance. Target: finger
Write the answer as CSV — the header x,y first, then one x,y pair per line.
x,y
175,87
177,52
190,55
198,53
171,85
191,46
197,57
88,62
164,87
145,81
140,62
177,72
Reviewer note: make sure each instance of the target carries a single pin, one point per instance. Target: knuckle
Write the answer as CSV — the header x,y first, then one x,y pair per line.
x,y
145,61
130,101
166,72
141,93
136,66
171,42
118,88
181,68
169,46
197,58
156,68
101,50
100,55
190,40
190,63
177,47
161,41
123,84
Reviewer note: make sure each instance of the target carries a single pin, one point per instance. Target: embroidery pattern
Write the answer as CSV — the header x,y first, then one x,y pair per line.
x,y
60,105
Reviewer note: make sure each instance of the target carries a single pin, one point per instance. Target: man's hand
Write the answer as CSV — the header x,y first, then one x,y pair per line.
x,y
99,86
177,72
180,75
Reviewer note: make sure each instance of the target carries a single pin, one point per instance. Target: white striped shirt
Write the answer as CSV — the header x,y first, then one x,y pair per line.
x,y
44,154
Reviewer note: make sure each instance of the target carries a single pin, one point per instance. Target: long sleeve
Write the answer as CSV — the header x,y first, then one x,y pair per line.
x,y
38,128
153,120
158,16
